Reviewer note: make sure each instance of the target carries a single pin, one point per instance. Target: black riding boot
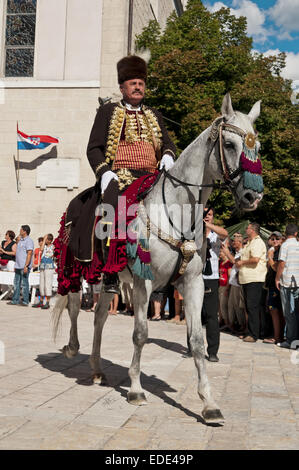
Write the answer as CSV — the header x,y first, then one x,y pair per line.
x,y
110,281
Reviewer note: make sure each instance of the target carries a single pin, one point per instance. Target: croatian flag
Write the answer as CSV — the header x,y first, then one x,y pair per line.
x,y
31,142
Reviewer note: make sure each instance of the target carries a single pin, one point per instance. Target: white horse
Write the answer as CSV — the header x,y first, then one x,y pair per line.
x,y
214,155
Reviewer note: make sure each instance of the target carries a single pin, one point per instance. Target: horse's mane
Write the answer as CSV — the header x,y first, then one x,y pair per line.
x,y
194,143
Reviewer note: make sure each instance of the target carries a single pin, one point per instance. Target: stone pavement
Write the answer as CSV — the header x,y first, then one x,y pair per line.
x,y
49,402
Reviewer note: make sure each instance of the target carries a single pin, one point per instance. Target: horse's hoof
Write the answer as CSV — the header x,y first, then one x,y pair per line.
x,y
213,416
68,352
137,399
100,379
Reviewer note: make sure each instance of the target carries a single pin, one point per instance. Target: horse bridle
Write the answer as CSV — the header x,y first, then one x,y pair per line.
x,y
228,174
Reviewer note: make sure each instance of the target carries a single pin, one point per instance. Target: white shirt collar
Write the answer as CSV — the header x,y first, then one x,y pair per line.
x,y
132,108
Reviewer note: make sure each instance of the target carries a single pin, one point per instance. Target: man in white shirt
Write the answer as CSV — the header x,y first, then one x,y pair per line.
x,y
215,236
23,265
287,281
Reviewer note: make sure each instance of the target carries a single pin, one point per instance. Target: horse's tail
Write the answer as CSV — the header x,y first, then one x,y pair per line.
x,y
60,305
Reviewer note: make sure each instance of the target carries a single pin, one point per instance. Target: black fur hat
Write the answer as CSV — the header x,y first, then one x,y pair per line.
x,y
131,67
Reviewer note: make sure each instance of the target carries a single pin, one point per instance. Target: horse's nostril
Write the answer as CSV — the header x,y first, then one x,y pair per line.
x,y
249,197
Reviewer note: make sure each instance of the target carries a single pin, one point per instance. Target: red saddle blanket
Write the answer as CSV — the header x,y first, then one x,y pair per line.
x,y
70,270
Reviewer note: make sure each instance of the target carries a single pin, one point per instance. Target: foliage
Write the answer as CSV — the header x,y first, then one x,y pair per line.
x,y
194,62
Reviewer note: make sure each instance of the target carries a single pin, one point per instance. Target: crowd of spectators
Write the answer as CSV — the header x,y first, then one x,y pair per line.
x,y
257,289
17,254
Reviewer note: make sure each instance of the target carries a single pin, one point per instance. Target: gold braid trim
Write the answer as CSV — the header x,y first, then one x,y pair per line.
x,y
114,133
139,127
169,151
125,178
99,167
154,127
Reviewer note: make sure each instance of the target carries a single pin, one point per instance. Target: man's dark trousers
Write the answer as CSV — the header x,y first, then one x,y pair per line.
x,y
210,314
253,296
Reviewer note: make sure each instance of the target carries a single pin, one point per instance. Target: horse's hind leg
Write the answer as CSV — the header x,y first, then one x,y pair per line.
x,y
142,291
100,317
193,291
70,350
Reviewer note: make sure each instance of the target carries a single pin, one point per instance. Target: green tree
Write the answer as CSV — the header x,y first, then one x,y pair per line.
x,y
279,136
194,62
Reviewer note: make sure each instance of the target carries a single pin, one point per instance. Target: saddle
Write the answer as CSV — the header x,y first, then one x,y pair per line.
x,y
80,222
78,251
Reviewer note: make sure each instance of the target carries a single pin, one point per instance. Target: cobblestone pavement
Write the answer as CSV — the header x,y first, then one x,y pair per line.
x,y
49,402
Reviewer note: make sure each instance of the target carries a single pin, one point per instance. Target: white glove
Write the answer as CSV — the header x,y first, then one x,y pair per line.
x,y
106,178
167,162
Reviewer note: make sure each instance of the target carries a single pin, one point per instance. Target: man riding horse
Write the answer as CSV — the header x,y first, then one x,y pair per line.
x,y
226,151
127,141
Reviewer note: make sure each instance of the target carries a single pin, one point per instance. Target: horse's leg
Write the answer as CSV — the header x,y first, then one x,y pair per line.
x,y
70,350
141,295
192,290
100,316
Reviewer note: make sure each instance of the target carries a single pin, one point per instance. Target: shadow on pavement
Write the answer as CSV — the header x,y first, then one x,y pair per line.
x,y
171,346
79,369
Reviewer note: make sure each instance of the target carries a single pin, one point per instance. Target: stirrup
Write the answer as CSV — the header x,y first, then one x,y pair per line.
x,y
111,284
111,289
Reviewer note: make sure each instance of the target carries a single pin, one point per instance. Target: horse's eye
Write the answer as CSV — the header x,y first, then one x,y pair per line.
x,y
228,144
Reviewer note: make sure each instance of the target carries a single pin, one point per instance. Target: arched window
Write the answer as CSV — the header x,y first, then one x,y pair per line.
x,y
19,38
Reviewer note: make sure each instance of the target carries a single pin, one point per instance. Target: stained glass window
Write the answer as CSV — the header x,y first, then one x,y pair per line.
x,y
21,6
19,38
19,62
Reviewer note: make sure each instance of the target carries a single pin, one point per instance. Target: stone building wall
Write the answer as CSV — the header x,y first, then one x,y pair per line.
x,y
77,45
60,100
65,113
115,34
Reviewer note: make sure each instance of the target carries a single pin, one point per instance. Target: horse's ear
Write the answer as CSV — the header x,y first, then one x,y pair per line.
x,y
255,111
227,108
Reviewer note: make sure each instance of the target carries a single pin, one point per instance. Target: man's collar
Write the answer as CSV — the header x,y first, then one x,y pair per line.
x,y
131,107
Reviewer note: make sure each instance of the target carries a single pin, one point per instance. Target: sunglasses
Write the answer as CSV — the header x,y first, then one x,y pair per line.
x,y
275,238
